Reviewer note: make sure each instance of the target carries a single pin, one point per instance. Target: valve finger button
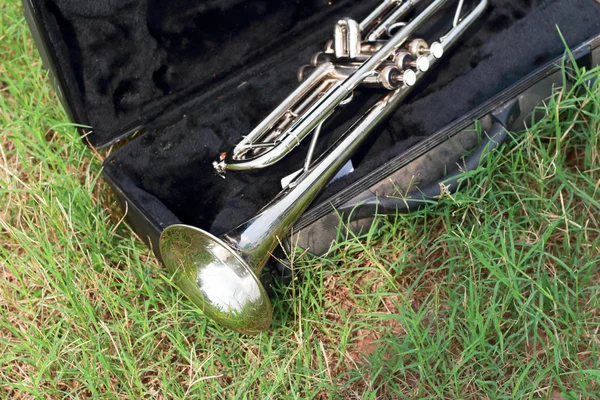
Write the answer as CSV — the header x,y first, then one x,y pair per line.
x,y
405,61
423,64
437,49
409,77
392,78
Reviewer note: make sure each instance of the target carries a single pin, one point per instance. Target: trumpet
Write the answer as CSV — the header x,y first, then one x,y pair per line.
x,y
221,274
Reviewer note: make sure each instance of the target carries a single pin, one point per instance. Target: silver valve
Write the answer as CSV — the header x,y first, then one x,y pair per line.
x,y
423,64
419,47
392,77
436,50
405,61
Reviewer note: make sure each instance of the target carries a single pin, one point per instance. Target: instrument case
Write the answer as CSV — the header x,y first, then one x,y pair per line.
x,y
176,82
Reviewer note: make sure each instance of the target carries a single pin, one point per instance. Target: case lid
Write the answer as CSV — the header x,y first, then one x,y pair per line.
x,y
118,63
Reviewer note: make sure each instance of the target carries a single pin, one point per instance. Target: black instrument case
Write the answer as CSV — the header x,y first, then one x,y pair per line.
x,y
177,82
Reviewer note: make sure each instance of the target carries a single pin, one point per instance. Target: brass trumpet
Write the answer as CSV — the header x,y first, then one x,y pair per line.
x,y
220,274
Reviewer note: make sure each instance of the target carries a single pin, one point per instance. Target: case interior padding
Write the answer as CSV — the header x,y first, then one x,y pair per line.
x,y
120,57
200,74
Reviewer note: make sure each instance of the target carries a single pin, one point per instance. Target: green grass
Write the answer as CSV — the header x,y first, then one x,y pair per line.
x,y
492,295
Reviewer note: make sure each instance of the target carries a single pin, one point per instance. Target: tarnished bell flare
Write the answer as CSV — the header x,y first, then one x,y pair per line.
x,y
221,274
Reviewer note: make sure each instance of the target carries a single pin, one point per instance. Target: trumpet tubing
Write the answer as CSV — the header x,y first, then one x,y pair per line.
x,y
379,52
220,274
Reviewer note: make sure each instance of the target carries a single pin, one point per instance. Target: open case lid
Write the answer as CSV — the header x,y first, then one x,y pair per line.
x,y
119,63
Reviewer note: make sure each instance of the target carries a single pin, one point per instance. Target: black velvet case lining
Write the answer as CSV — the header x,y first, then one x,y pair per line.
x,y
201,74
127,54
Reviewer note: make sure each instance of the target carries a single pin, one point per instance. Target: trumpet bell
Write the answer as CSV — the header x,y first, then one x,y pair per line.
x,y
213,276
